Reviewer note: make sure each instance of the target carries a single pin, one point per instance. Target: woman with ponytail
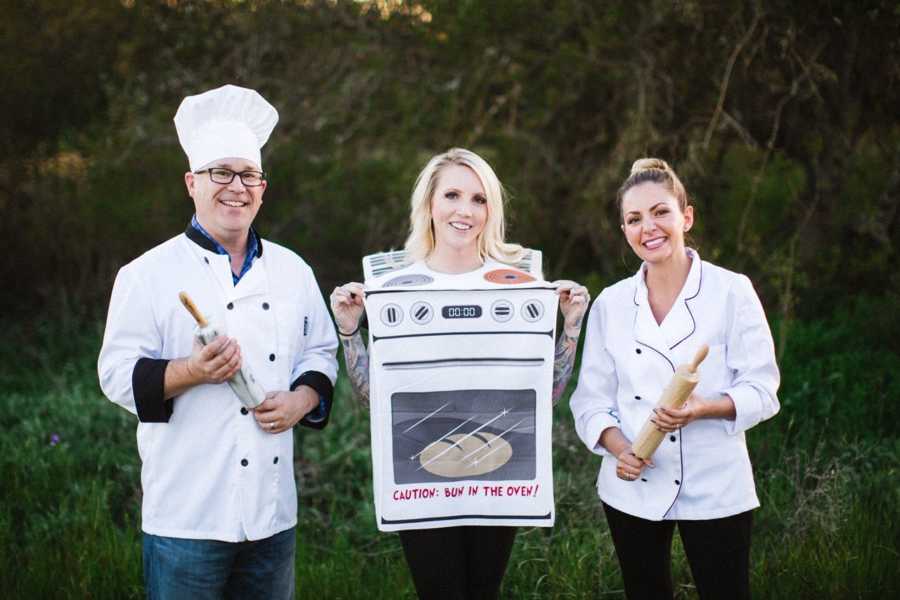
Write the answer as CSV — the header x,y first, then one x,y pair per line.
x,y
639,330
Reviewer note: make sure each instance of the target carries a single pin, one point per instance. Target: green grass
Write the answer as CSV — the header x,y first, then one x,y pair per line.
x,y
826,468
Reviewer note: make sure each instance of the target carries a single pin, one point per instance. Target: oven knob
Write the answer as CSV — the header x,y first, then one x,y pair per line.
x,y
421,313
532,310
391,315
502,311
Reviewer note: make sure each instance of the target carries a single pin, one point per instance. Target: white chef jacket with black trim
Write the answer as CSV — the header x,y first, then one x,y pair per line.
x,y
702,471
209,471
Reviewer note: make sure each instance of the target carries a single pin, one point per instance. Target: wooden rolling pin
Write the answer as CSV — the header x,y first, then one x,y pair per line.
x,y
244,385
675,395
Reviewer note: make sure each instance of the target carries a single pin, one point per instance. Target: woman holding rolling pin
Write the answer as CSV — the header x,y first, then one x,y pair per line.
x,y
457,227
639,331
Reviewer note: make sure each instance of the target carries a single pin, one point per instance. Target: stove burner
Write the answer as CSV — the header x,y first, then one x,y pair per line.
x,y
408,280
508,276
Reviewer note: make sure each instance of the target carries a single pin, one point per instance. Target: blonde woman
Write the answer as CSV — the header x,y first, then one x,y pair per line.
x,y
640,329
457,227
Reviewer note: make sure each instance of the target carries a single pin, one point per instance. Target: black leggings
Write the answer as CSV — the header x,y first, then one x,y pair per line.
x,y
718,552
458,563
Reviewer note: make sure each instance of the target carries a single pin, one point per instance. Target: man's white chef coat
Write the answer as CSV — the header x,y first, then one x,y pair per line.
x,y
209,471
702,471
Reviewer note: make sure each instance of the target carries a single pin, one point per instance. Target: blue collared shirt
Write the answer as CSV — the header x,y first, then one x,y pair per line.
x,y
252,242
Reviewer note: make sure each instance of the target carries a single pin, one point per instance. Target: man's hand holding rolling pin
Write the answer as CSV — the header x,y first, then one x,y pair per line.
x,y
282,410
216,362
219,361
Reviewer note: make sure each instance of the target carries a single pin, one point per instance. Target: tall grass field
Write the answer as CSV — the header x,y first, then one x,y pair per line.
x,y
827,471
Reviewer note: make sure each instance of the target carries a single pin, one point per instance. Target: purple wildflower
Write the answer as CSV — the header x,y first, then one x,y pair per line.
x,y
54,439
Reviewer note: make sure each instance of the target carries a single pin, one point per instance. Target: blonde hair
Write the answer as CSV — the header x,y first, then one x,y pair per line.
x,y
653,170
491,243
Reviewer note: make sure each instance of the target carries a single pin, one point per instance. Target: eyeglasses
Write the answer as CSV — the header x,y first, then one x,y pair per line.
x,y
226,176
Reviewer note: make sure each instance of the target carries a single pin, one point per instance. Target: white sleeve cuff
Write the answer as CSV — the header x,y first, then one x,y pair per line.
x,y
595,426
747,409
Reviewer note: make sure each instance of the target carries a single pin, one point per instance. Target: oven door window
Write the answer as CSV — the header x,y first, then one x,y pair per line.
x,y
471,434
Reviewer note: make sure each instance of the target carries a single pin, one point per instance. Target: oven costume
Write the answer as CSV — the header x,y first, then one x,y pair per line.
x,y
460,379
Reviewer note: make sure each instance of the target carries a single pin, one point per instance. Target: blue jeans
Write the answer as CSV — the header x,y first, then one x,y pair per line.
x,y
176,569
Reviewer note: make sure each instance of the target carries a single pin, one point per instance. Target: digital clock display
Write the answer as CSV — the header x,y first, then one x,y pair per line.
x,y
461,311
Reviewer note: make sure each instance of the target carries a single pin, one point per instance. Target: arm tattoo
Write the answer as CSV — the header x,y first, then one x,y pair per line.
x,y
356,356
563,363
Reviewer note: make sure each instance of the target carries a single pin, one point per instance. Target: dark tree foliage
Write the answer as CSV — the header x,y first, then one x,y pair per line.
x,y
780,116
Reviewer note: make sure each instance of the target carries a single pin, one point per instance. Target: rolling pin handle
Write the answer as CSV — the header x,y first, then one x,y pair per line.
x,y
192,308
702,351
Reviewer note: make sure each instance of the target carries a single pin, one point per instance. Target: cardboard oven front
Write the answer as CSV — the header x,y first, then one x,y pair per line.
x,y
461,407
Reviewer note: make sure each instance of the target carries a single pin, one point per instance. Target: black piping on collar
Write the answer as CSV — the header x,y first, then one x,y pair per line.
x,y
686,305
699,283
204,242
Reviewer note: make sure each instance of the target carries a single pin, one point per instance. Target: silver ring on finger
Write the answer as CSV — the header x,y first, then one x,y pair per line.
x,y
271,425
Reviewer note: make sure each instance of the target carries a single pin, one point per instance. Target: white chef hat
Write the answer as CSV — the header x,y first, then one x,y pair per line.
x,y
227,122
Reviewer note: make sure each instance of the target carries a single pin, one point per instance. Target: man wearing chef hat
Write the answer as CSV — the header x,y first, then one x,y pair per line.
x,y
220,503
